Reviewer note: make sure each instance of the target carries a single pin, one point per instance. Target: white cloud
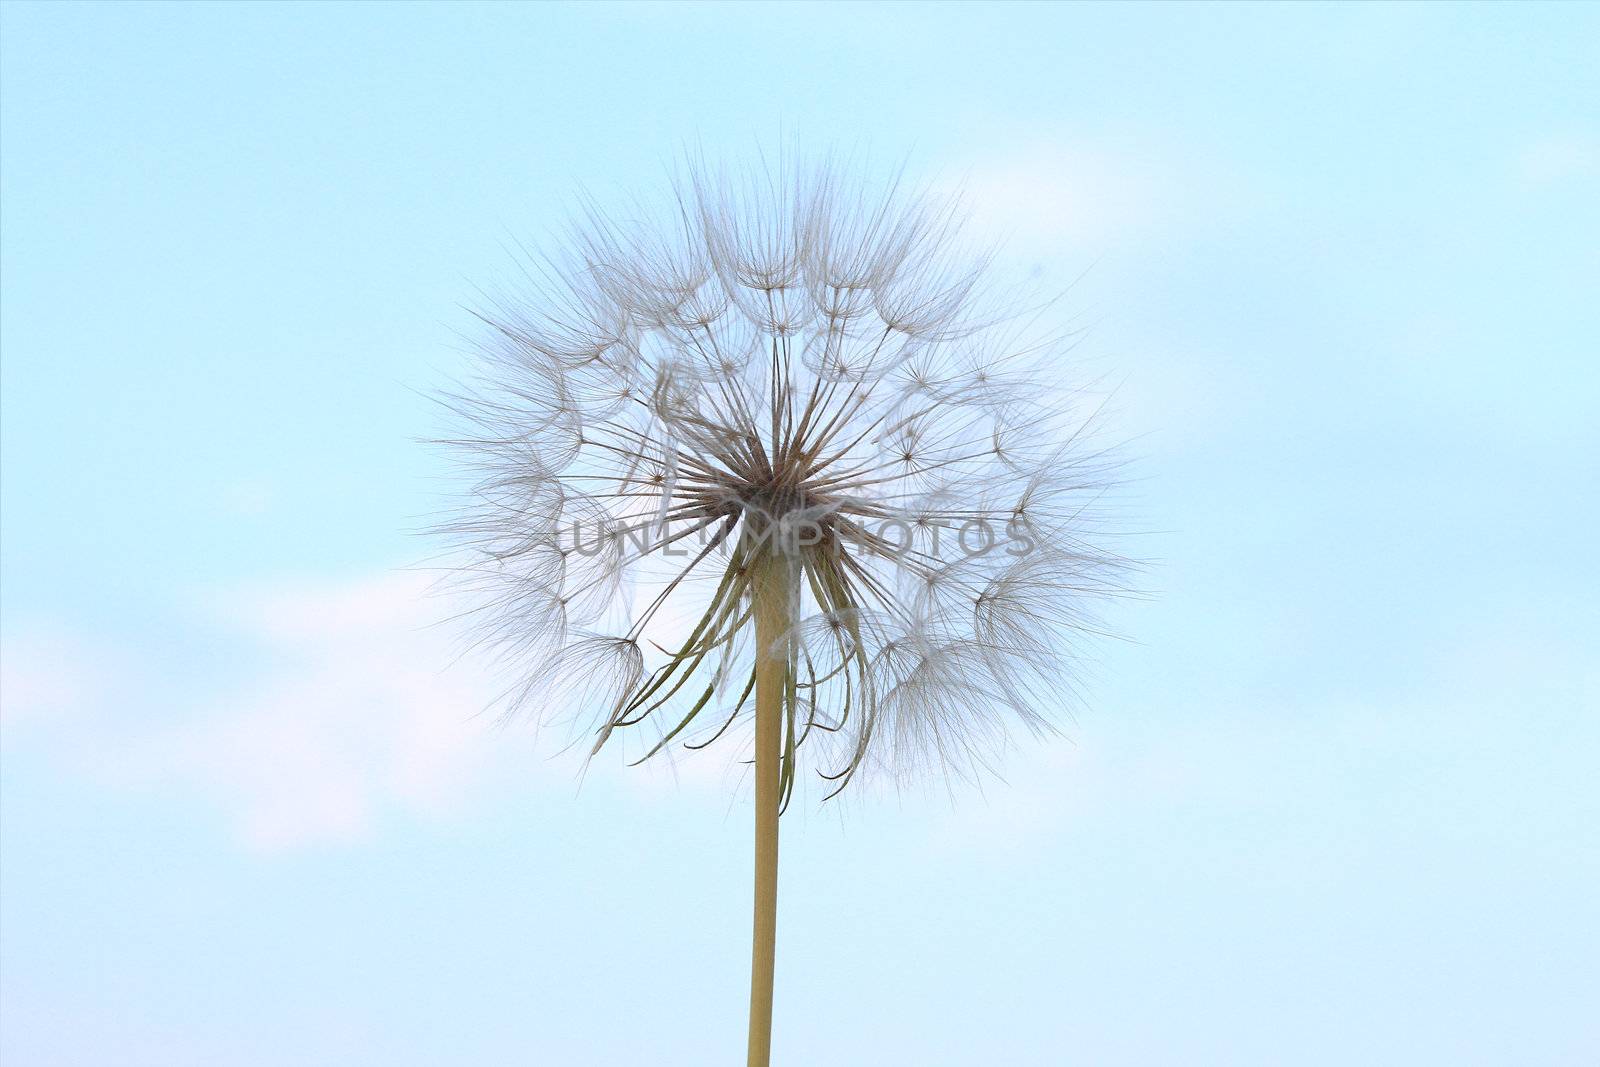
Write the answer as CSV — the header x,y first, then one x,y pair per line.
x,y
1558,158
342,708
344,705
1088,196
360,716
44,675
1074,199
247,499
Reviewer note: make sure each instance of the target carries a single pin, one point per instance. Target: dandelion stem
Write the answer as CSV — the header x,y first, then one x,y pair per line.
x,y
770,593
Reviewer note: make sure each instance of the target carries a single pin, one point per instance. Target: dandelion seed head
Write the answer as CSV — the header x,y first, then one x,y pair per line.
x,y
781,363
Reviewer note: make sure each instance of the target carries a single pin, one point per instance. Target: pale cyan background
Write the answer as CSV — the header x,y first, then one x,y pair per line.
x,y
1336,806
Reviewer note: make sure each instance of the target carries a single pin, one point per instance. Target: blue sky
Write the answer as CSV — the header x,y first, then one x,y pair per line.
x,y
1334,804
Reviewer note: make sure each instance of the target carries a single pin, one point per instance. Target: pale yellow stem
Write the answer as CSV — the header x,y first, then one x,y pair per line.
x,y
770,595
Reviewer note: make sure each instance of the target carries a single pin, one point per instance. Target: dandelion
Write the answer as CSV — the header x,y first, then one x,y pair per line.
x,y
775,457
